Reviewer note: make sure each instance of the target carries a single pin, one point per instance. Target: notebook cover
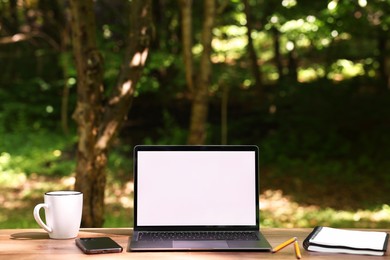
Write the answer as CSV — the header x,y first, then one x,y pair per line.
x,y
316,230
306,242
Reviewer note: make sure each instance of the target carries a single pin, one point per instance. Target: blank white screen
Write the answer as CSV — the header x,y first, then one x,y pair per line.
x,y
196,188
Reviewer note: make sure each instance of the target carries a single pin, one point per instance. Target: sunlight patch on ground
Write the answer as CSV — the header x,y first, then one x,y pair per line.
x,y
17,193
19,196
279,210
11,179
121,194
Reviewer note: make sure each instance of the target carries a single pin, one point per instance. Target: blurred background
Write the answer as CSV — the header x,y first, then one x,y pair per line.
x,y
306,81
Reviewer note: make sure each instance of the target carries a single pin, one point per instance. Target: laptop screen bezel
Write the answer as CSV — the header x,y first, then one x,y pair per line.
x,y
224,148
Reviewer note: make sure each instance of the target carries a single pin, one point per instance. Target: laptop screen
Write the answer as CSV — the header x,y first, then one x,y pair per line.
x,y
196,186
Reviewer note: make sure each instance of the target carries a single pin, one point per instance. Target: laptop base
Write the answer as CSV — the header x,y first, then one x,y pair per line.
x,y
200,245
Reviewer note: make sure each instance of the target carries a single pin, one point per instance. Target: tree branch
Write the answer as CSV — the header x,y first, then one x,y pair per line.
x,y
20,37
139,39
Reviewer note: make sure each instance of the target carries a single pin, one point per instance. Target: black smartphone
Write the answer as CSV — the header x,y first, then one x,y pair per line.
x,y
98,245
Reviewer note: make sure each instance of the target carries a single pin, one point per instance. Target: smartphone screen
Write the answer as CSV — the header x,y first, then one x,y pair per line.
x,y
98,245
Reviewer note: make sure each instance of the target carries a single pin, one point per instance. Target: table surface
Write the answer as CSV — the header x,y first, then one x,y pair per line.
x,y
36,244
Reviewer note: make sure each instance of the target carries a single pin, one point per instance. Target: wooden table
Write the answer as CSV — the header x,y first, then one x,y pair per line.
x,y
35,244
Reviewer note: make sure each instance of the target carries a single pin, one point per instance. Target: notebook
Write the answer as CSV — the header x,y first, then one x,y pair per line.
x,y
334,240
196,198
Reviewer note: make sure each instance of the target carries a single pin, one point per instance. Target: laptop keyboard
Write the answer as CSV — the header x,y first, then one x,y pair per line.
x,y
198,235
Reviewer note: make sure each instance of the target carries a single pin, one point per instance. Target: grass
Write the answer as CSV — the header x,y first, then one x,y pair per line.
x,y
34,163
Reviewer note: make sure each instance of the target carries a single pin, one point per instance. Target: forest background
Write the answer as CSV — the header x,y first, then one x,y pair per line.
x,y
306,81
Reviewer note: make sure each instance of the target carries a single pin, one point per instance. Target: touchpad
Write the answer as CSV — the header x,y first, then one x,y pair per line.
x,y
203,244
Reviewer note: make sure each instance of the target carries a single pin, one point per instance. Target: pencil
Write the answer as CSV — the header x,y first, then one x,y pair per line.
x,y
284,244
297,250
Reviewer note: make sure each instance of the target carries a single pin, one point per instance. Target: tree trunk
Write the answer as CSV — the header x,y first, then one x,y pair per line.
x,y
224,113
14,21
382,60
199,110
90,178
292,65
256,70
186,31
277,55
98,124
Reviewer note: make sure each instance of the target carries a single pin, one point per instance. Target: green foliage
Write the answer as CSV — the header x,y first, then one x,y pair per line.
x,y
316,138
17,219
36,152
170,134
120,164
330,122
160,65
42,110
118,217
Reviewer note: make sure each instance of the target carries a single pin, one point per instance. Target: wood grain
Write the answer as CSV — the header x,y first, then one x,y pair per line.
x,y
36,244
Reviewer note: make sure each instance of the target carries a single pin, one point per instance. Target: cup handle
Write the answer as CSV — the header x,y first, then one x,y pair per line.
x,y
38,217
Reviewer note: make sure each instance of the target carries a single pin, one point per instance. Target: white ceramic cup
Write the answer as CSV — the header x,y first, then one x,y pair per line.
x,y
63,210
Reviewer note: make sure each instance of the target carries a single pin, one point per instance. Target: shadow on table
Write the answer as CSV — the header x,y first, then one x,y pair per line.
x,y
109,231
30,236
44,235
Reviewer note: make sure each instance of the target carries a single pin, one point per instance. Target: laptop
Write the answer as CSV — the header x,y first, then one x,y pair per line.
x,y
196,198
